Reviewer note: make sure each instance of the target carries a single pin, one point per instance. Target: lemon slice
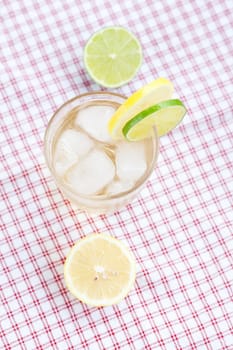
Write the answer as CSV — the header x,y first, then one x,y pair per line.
x,y
99,270
165,116
112,56
158,90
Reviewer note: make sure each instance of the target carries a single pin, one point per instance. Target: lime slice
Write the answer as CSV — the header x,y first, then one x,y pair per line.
x,y
165,116
158,90
99,270
112,56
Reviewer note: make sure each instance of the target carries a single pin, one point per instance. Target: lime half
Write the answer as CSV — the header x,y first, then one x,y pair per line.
x,y
165,116
112,56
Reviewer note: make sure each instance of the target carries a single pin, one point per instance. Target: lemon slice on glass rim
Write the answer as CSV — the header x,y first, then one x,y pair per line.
x,y
151,106
156,91
100,270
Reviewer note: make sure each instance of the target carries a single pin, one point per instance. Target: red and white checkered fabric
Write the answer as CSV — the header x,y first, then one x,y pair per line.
x,y
179,227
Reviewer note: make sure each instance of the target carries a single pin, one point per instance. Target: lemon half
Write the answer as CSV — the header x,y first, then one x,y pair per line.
x,y
99,270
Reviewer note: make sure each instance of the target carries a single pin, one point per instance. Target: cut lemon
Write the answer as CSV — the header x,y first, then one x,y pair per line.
x,y
158,90
165,116
99,270
112,56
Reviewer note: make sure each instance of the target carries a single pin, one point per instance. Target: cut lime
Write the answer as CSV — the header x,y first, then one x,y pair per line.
x,y
156,91
165,116
112,56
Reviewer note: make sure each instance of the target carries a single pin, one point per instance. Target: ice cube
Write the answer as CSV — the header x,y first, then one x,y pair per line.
x,y
92,173
118,186
130,160
94,120
70,147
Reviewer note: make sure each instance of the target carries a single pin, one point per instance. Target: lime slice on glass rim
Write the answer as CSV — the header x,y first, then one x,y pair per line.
x,y
165,116
112,56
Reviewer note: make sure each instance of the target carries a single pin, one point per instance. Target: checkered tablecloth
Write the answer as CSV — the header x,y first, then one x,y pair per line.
x,y
179,227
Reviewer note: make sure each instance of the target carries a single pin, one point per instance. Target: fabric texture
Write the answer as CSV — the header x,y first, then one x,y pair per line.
x,y
180,225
